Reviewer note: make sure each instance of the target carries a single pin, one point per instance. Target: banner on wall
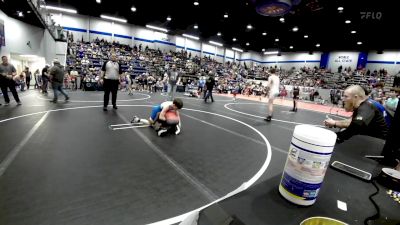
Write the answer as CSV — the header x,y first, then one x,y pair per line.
x,y
343,59
2,34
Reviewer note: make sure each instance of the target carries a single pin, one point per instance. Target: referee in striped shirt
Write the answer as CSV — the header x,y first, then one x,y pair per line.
x,y
110,74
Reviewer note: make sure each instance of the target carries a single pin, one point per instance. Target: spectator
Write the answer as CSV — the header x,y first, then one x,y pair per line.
x,y
7,74
28,77
21,81
210,83
56,78
45,79
391,103
173,76
37,78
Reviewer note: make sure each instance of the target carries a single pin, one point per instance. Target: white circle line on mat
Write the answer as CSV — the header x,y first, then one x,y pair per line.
x,y
181,217
216,100
248,114
124,100
330,114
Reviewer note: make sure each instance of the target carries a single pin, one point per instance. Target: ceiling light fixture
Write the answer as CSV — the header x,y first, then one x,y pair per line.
x,y
237,49
340,8
20,14
169,18
291,47
114,18
219,34
271,53
249,26
282,20
196,27
295,29
191,36
234,39
196,3
216,43
306,36
264,33
263,50
61,9
317,45
359,43
276,39
98,1
133,9
347,21
29,56
157,28
247,44
226,15
353,31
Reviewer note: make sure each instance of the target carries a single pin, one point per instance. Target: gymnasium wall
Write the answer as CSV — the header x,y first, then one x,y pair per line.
x,y
19,34
390,60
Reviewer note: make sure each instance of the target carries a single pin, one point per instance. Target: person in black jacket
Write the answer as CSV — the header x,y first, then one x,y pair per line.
x,y
296,93
210,83
28,77
57,79
366,119
45,79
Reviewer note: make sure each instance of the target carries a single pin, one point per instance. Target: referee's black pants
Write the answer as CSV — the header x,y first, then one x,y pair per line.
x,y
110,86
6,83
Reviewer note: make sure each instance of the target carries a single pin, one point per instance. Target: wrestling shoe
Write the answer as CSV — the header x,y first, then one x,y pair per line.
x,y
162,132
268,119
178,130
135,119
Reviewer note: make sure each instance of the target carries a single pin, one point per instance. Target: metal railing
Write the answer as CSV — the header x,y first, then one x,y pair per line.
x,y
56,31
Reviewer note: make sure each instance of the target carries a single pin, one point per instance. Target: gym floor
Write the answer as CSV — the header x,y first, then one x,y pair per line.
x,y
62,164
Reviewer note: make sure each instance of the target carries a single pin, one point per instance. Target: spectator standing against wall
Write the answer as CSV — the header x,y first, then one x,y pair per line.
x,y
7,74
20,80
28,77
111,72
37,79
45,79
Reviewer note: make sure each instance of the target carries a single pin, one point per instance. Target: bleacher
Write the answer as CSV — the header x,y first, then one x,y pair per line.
x,y
88,59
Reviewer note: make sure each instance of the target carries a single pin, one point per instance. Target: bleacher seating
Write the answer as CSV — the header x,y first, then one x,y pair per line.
x,y
88,58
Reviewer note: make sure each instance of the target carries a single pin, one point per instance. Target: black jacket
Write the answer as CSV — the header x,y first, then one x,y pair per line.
x,y
366,120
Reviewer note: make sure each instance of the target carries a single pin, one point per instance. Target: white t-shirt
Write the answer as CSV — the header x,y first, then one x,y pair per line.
x,y
112,70
74,73
273,84
166,104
